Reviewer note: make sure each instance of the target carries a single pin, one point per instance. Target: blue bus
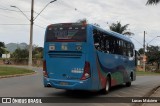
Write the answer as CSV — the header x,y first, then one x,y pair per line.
x,y
80,56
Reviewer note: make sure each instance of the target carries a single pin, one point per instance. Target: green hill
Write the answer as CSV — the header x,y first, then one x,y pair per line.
x,y
11,47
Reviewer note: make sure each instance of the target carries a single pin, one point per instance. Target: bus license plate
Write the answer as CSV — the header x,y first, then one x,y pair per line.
x,y
63,83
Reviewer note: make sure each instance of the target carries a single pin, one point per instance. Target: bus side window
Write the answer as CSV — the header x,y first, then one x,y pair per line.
x,y
119,47
102,42
99,40
96,39
116,46
123,49
111,45
107,44
132,50
127,48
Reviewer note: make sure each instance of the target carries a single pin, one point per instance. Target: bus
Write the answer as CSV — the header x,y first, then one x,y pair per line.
x,y
80,56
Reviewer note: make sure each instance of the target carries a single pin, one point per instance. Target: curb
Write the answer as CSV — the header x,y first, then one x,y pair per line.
x,y
17,75
150,93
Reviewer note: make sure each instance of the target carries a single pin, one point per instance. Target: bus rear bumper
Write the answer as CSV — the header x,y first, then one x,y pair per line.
x,y
70,84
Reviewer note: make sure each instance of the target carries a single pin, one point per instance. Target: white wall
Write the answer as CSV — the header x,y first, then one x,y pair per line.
x,y
6,55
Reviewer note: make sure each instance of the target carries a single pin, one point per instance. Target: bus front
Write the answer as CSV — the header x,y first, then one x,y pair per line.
x,y
65,64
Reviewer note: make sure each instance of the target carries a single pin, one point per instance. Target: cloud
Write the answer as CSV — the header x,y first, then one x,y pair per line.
x,y
134,12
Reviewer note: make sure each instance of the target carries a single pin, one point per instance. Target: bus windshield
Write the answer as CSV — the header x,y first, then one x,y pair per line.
x,y
72,33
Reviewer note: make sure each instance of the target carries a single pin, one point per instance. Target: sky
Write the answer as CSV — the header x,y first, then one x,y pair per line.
x,y
15,28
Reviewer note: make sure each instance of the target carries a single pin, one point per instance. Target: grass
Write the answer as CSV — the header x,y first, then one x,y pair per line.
x,y
5,70
142,73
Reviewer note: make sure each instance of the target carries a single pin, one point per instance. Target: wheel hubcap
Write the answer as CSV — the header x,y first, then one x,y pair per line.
x,y
107,85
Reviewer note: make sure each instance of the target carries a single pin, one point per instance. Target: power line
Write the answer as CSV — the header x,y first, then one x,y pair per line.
x,y
82,13
2,6
48,21
21,25
39,26
18,24
6,9
8,16
6,2
43,10
21,12
25,24
14,24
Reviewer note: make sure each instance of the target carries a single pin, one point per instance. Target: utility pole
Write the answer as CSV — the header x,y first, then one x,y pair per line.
x,y
31,27
31,35
144,55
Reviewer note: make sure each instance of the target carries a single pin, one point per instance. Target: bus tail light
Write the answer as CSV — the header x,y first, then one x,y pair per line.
x,y
87,71
44,69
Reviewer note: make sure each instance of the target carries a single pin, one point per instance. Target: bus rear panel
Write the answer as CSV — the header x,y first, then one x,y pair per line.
x,y
65,57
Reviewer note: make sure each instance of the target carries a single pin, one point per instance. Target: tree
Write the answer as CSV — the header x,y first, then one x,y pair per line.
x,y
20,54
141,51
153,55
3,49
150,2
117,27
2,46
38,52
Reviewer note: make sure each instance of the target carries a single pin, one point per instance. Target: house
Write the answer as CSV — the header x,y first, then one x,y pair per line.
x,y
4,56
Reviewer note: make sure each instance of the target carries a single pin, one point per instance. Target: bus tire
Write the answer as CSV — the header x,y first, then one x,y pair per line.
x,y
128,84
107,87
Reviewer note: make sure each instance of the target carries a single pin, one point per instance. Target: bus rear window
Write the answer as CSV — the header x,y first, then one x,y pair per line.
x,y
66,34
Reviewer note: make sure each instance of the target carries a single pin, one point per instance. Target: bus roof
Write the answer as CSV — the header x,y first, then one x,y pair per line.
x,y
112,33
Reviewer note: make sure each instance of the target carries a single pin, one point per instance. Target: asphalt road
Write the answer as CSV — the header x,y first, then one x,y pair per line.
x,y
32,86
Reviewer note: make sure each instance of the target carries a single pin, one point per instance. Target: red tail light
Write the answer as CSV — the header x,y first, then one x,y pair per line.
x,y
44,69
87,71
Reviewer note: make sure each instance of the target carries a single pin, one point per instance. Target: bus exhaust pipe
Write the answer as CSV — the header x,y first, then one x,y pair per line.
x,y
49,85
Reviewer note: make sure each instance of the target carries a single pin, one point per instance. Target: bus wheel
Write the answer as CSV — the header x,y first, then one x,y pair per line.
x,y
128,84
107,87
